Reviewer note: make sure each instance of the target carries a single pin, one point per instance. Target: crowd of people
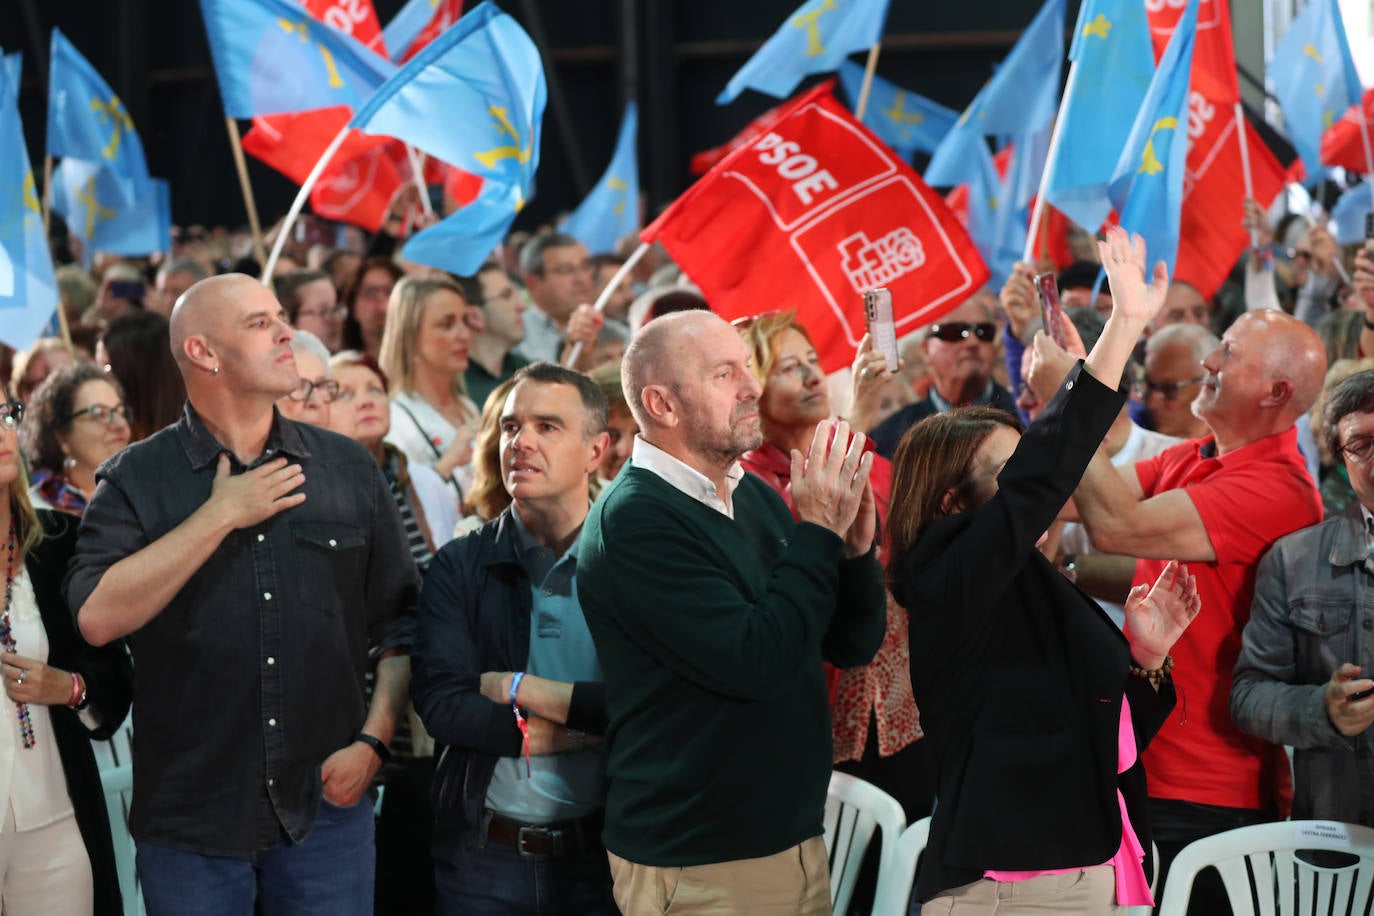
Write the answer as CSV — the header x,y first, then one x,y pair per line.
x,y
597,600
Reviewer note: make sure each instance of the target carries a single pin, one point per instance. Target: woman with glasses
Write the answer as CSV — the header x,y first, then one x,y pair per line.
x,y
429,514
312,304
56,855
77,419
429,328
1034,704
316,391
367,299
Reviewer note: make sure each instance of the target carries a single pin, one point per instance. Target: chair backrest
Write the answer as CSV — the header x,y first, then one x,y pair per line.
x,y
893,896
116,762
1263,876
853,809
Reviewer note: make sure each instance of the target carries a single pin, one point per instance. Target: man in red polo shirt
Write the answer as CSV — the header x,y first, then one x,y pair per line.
x,y
1216,503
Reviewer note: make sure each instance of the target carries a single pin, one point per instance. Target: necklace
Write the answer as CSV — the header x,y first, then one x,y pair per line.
x,y
7,635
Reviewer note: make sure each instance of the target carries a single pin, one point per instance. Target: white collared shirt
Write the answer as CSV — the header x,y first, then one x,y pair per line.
x,y
682,476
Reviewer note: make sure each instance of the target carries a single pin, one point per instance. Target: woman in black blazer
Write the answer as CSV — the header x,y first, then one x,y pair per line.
x,y
60,693
1020,676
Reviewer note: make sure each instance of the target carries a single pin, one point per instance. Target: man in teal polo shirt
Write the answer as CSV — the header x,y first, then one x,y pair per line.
x,y
712,611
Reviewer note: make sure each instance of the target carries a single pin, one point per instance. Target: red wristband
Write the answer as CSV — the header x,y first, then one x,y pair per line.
x,y
78,697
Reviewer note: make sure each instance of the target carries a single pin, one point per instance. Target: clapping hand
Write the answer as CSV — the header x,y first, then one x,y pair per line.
x,y
1157,615
830,486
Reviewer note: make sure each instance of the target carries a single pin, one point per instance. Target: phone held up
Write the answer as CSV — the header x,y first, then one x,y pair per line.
x,y
882,329
1050,311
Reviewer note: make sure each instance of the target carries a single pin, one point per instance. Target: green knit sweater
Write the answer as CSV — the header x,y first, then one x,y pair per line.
x,y
711,634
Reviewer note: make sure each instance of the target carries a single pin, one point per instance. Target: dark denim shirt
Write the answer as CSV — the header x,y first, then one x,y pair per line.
x,y
1313,610
253,674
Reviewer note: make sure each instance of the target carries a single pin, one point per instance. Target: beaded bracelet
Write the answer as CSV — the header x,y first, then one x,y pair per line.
x,y
1154,673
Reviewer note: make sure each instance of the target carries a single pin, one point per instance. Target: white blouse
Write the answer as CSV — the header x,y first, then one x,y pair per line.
x,y
31,778
422,434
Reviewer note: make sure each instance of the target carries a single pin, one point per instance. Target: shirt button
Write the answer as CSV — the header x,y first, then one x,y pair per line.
x,y
271,782
266,596
1068,386
261,538
272,722
271,660
333,543
549,592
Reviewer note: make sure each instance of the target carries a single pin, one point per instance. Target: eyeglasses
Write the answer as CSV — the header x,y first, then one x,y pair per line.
x,y
327,387
1167,390
1359,448
337,313
11,415
568,270
955,331
102,414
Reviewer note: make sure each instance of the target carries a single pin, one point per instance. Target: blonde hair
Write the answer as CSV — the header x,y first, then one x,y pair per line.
x,y
763,333
404,313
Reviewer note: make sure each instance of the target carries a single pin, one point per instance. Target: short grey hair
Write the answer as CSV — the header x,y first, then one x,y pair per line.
x,y
305,342
1200,339
1354,395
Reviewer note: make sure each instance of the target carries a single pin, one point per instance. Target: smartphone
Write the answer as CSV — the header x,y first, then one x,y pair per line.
x,y
1050,312
1354,697
131,290
1369,232
882,330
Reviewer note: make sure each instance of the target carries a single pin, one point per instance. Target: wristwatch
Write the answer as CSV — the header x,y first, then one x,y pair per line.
x,y
381,750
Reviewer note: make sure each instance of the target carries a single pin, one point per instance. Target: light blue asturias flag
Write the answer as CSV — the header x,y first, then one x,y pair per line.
x,y
410,20
963,158
1349,212
1314,77
1113,64
273,57
86,197
905,121
13,65
87,120
1147,184
611,211
463,240
816,38
28,287
1023,94
474,97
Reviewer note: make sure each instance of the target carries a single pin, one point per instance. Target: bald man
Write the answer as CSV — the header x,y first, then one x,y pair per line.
x,y
252,561
1216,503
712,611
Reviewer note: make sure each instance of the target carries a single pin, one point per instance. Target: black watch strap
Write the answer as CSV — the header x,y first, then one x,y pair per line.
x,y
381,750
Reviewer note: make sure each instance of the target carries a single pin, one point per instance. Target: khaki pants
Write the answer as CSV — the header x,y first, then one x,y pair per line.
x,y
794,882
1088,892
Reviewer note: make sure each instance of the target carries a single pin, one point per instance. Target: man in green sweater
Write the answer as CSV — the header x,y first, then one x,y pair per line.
x,y
712,610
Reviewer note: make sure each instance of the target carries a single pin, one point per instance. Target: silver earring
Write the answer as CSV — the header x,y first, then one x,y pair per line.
x,y
68,463
215,370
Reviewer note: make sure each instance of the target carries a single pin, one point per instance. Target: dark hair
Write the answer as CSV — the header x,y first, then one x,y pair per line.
x,y
1079,275
594,401
1354,395
532,255
140,354
1089,324
679,300
50,411
607,260
288,289
934,457
352,334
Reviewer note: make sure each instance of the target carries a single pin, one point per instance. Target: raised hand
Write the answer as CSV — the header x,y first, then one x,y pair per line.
x,y
869,375
1157,615
1050,363
1123,257
1349,716
1018,298
828,484
243,500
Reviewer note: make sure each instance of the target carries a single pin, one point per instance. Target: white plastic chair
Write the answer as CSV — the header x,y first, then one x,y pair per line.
x,y
895,881
853,809
1263,855
115,760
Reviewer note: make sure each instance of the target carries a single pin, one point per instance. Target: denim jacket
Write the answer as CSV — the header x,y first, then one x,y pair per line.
x,y
1313,611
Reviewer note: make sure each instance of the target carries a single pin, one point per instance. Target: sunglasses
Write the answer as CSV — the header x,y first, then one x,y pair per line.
x,y
955,331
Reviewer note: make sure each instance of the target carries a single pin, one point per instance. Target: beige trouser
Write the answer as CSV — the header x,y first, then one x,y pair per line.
x,y
45,871
794,882
1089,892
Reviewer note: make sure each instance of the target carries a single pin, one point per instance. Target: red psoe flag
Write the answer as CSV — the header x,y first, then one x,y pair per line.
x,y
809,215
1342,144
1214,53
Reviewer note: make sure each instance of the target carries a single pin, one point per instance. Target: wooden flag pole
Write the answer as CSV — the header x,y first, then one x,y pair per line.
x,y
870,69
299,203
236,143
1245,166
601,300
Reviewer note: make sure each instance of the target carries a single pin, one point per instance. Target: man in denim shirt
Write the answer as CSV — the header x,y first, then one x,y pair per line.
x,y
1302,676
253,562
